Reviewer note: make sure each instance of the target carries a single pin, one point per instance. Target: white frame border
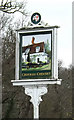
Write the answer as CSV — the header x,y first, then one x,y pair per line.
x,y
54,51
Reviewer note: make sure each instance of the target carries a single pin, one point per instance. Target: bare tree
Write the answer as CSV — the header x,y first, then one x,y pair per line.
x,y
9,6
7,25
4,21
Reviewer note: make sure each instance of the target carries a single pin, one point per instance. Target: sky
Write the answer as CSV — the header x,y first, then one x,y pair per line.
x,y
27,40
57,12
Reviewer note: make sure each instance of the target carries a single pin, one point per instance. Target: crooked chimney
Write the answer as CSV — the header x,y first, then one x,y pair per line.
x,y
33,38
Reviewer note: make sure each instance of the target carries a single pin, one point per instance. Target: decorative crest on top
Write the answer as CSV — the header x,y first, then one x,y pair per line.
x,y
35,18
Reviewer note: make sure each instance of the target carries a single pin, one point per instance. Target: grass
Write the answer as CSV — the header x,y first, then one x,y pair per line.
x,y
44,67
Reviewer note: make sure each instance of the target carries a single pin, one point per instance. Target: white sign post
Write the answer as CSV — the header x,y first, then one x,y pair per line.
x,y
36,66
35,91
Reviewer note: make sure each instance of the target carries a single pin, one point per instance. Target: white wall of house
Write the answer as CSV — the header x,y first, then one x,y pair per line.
x,y
24,57
41,56
35,56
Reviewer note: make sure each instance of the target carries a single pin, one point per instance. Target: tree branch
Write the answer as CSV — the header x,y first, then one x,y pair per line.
x,y
12,7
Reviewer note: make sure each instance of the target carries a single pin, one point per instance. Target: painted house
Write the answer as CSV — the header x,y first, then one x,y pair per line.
x,y
34,53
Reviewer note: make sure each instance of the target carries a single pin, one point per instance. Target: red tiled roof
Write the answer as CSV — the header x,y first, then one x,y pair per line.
x,y
33,47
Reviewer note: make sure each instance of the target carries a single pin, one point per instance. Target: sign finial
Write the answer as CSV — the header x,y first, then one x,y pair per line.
x,y
35,18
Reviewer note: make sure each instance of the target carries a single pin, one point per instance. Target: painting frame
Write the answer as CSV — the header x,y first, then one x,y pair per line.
x,y
36,31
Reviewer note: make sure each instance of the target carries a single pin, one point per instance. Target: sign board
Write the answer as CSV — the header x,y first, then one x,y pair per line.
x,y
36,53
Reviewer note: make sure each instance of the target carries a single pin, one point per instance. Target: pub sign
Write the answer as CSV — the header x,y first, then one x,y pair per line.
x,y
36,53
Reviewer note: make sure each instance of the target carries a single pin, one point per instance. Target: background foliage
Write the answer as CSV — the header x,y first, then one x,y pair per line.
x,y
57,103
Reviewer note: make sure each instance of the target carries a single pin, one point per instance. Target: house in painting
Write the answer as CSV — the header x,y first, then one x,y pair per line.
x,y
34,53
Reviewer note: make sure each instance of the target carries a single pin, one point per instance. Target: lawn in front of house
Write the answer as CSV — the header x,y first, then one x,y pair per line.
x,y
43,67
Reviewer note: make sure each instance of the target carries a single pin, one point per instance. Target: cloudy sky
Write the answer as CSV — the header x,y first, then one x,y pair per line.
x,y
57,12
27,40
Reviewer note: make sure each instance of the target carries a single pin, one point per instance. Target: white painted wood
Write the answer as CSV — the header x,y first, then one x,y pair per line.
x,y
36,112
33,31
17,57
54,51
56,69
37,87
35,92
35,82
52,54
55,60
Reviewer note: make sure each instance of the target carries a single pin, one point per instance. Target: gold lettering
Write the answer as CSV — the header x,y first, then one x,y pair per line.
x,y
34,74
